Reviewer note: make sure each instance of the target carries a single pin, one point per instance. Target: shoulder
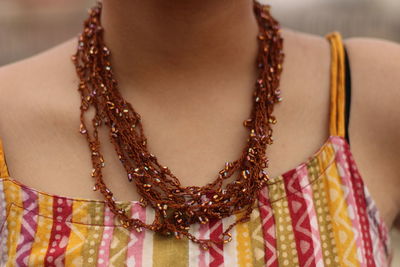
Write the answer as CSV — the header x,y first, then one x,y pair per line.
x,y
375,65
39,68
26,83
375,60
375,77
36,92
375,110
374,48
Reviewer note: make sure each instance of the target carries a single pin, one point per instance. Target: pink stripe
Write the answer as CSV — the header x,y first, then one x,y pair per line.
x,y
308,197
379,254
62,213
136,239
358,189
344,173
104,248
384,233
300,219
203,233
216,251
268,227
28,226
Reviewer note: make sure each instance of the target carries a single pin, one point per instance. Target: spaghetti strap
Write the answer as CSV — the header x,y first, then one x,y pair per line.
x,y
337,86
3,166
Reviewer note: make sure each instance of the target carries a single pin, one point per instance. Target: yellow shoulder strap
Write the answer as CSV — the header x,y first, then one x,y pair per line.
x,y
3,165
337,85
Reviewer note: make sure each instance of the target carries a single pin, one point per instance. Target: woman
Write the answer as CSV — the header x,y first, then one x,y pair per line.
x,y
189,69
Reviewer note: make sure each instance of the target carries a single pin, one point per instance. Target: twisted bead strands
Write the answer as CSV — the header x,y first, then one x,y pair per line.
x,y
176,207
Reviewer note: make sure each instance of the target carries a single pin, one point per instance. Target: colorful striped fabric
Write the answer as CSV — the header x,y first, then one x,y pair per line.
x,y
317,214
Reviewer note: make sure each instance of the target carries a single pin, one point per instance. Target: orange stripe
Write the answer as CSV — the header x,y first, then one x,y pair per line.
x,y
337,85
3,165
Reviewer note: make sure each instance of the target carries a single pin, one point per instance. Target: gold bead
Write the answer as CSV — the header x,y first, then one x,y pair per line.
x,y
204,247
82,129
247,122
125,223
111,105
226,241
143,202
244,174
272,120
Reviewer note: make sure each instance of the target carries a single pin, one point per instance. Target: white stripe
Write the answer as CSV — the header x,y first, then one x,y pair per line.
x,y
147,257
3,226
230,252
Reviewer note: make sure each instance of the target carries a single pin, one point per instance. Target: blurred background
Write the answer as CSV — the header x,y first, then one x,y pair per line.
x,y
30,26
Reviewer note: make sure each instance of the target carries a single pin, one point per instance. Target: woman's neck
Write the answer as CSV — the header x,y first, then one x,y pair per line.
x,y
180,37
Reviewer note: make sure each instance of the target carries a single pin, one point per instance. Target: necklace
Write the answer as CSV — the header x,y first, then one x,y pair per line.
x,y
176,207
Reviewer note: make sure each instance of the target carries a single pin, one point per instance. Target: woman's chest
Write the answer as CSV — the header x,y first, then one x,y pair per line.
x,y
319,212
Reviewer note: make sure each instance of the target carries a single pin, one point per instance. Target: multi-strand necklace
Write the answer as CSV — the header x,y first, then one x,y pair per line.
x,y
177,207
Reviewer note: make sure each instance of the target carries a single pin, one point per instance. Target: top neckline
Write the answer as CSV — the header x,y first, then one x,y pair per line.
x,y
275,180
99,215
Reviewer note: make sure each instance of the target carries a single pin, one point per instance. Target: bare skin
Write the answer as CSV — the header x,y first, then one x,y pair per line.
x,y
190,73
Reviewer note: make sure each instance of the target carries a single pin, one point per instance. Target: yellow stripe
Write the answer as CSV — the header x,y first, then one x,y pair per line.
x,y
119,242
337,86
73,255
169,251
13,195
244,253
94,234
3,165
320,199
341,223
257,238
285,240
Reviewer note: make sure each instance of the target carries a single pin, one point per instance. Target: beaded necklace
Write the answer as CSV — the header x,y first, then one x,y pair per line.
x,y
176,207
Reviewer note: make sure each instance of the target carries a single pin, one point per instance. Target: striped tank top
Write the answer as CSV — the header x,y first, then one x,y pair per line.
x,y
317,214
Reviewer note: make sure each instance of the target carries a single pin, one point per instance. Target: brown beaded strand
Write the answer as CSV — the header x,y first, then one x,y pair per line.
x,y
177,207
